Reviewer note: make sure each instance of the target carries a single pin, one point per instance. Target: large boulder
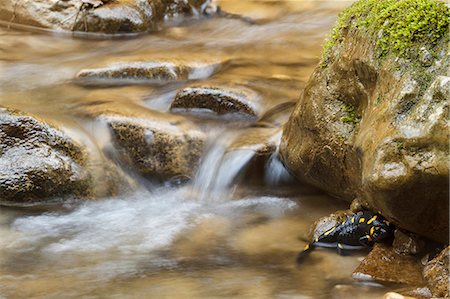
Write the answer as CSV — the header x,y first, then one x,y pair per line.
x,y
38,162
372,122
104,16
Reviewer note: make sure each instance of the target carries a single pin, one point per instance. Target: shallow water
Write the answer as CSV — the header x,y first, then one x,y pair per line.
x,y
210,238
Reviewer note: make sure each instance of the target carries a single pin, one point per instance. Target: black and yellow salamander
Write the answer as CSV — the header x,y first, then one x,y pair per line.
x,y
358,231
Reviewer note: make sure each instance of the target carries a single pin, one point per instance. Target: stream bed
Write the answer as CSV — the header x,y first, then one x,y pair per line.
x,y
219,235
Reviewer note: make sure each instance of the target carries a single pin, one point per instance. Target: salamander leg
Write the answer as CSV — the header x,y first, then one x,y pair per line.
x,y
340,249
366,241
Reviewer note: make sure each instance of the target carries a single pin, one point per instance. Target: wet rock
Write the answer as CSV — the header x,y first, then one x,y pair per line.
x,y
357,205
385,265
38,162
277,116
373,125
407,243
158,145
436,273
394,295
145,71
158,148
217,100
264,168
342,291
419,293
263,141
327,222
118,16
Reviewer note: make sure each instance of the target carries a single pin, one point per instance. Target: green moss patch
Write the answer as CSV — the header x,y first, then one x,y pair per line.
x,y
350,114
400,27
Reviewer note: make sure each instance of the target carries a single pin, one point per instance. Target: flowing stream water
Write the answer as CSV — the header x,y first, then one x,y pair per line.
x,y
221,235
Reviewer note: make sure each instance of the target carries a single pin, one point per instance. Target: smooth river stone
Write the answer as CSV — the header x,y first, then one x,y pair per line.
x,y
217,100
38,162
140,72
383,264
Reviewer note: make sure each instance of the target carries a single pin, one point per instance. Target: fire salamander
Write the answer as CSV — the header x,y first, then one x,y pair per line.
x,y
356,232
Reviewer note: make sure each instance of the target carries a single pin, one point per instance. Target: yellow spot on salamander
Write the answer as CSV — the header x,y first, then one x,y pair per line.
x,y
362,220
369,238
372,219
353,219
372,229
306,247
329,231
317,239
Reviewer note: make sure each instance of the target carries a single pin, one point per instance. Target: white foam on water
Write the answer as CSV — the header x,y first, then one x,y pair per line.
x,y
219,167
134,229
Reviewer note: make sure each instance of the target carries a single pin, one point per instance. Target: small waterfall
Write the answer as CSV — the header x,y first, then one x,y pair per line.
x,y
275,173
220,167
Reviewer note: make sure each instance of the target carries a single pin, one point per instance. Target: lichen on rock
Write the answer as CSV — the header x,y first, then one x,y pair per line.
x,y
372,121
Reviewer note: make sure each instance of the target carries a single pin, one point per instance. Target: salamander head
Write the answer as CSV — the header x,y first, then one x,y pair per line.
x,y
380,229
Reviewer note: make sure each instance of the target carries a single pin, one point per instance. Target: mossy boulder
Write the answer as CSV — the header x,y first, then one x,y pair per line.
x,y
38,162
100,16
372,122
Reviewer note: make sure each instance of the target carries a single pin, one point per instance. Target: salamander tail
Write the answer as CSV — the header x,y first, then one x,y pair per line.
x,y
302,254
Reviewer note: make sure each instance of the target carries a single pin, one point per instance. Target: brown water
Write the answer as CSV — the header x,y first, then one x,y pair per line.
x,y
163,241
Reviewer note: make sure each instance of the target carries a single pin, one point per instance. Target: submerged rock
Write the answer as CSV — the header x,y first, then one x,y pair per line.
x,y
104,16
372,120
436,273
38,162
218,100
144,71
383,264
263,141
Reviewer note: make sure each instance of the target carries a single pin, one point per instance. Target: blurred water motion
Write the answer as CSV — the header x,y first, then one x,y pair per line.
x,y
210,238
